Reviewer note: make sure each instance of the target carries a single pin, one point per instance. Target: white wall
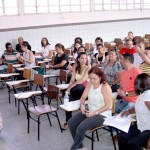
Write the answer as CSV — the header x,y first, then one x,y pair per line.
x,y
66,34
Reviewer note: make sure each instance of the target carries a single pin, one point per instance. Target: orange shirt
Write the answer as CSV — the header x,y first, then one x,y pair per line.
x,y
127,79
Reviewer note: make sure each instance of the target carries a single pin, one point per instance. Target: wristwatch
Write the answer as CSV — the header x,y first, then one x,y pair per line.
x,y
126,93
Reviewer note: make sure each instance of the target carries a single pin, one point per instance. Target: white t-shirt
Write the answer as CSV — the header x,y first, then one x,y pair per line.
x,y
45,51
137,60
142,112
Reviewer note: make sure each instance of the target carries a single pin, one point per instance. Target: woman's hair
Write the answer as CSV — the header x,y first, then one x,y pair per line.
x,y
75,49
26,44
100,73
142,83
83,48
78,67
47,43
147,48
78,39
99,38
59,45
112,50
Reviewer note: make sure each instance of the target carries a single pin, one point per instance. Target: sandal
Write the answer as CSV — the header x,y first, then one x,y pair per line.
x,y
65,126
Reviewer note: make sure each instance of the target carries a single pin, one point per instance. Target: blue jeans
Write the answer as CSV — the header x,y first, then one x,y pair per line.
x,y
4,67
122,105
79,124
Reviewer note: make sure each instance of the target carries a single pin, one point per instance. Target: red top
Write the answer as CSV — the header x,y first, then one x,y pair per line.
x,y
126,50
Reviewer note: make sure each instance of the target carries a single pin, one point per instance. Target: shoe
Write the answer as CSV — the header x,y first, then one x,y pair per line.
x,y
65,126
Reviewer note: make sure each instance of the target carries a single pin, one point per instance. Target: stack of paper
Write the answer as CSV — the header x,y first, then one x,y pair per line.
x,y
121,123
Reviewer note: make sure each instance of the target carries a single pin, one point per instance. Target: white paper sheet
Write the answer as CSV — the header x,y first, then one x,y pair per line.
x,y
71,106
121,123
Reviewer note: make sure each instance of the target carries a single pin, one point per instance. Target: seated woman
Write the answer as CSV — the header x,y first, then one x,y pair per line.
x,y
101,57
99,96
46,48
60,62
112,69
78,82
139,133
28,57
75,52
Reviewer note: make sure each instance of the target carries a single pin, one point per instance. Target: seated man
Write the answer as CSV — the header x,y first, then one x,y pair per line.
x,y
9,56
127,78
131,49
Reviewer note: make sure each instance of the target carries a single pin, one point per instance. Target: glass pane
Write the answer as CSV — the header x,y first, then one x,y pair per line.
x,y
107,7
146,1
98,1
130,6
64,2
123,1
1,12
54,9
146,6
85,8
115,1
137,1
9,3
115,7
122,7
130,1
86,2
1,4
65,8
137,6
29,2
42,10
53,2
11,11
75,8
41,2
75,2
98,7
29,10
107,1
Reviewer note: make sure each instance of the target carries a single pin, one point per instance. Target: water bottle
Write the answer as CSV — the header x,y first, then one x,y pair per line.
x,y
66,99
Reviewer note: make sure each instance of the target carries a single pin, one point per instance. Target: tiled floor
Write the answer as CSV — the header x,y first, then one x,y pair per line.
x,y
14,135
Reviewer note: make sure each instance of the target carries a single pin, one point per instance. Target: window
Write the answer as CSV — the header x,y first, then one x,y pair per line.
x,y
29,6
117,4
146,4
8,7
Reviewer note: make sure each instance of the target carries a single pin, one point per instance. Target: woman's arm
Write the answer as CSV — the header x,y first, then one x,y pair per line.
x,y
142,55
63,62
30,58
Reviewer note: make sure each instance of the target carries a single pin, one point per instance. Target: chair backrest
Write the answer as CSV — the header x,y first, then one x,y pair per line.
x,y
113,102
39,79
63,75
27,73
88,46
53,92
10,68
53,58
67,52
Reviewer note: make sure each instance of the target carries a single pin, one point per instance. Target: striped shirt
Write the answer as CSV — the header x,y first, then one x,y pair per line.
x,y
145,68
10,58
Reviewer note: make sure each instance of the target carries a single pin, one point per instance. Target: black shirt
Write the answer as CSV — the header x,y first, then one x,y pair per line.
x,y
101,58
59,59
